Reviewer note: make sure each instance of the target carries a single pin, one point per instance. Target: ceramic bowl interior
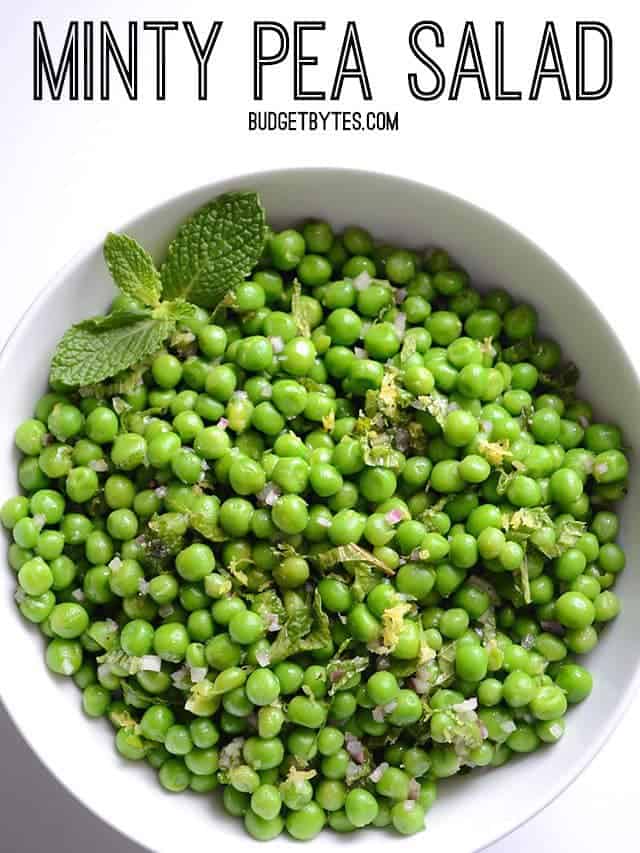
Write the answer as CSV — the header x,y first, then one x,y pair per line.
x,y
470,812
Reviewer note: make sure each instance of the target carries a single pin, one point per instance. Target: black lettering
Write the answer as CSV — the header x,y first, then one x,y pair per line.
x,y
300,60
43,63
503,94
202,52
87,59
161,28
351,45
582,93
549,46
469,47
259,57
110,52
414,87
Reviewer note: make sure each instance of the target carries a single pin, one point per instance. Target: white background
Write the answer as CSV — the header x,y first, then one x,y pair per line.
x,y
566,174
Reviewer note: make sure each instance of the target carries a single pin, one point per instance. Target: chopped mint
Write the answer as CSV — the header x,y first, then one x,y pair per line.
x,y
304,630
409,348
378,451
342,674
434,403
348,554
568,531
562,381
206,529
365,577
121,663
298,312
446,665
121,718
268,604
203,699
163,538
137,698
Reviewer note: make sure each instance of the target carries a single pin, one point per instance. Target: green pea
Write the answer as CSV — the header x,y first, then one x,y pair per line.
x,y
407,817
360,807
305,823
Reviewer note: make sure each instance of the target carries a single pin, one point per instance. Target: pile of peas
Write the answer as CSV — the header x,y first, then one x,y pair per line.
x,y
489,540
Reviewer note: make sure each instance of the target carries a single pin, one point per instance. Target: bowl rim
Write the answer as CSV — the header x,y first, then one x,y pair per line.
x,y
223,184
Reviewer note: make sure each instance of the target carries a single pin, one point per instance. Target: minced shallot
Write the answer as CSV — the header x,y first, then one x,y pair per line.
x,y
552,627
378,772
269,494
263,657
400,324
362,281
394,516
197,673
231,753
272,621
414,789
355,748
151,663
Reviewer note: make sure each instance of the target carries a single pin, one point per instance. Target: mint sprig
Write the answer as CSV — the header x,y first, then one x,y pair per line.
x,y
211,253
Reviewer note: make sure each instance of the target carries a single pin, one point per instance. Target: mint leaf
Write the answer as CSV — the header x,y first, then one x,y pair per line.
x,y
134,696
105,634
163,538
107,322
568,531
461,728
357,771
205,527
298,311
303,631
203,700
289,638
120,662
525,588
268,604
178,310
562,381
348,554
446,665
342,674
121,717
409,348
320,635
364,579
132,269
101,347
215,249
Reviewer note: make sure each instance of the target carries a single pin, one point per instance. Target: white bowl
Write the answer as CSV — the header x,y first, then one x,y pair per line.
x,y
470,813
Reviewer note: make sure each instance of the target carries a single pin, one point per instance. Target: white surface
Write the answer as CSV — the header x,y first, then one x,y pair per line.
x,y
565,174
